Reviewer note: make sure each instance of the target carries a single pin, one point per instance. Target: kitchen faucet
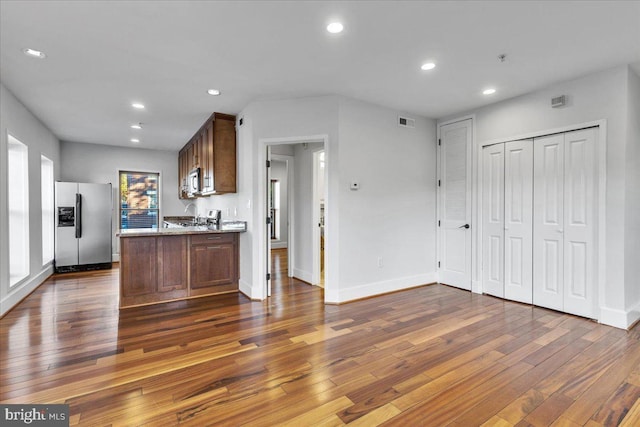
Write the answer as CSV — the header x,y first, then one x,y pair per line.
x,y
195,212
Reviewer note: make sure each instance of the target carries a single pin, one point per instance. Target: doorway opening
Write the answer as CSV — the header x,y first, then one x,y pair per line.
x,y
295,204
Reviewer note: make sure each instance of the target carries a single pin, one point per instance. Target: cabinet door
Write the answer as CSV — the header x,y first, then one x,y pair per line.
x,y
224,154
213,268
207,158
172,265
183,171
548,222
138,267
518,221
493,220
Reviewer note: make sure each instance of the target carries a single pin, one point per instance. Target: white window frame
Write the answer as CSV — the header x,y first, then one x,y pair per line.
x,y
48,212
18,208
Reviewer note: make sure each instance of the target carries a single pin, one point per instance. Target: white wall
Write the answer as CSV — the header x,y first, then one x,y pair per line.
x,y
101,164
392,215
269,122
632,197
594,97
19,122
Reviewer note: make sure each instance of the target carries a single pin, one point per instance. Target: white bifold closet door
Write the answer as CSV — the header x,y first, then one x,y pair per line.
x,y
564,262
518,221
507,220
493,220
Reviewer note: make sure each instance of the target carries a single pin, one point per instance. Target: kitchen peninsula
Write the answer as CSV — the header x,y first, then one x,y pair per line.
x,y
167,264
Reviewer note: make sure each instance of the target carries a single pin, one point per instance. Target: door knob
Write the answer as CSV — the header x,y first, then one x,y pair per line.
x,y
465,226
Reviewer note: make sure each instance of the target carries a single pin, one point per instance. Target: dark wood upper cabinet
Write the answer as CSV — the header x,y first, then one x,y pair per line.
x,y
213,150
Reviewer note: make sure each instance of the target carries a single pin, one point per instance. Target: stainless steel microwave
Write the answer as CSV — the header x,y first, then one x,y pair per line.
x,y
193,182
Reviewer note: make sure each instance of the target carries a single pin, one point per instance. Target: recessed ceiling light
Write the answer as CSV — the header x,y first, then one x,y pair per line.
x,y
34,53
138,105
428,66
137,126
489,91
214,92
335,27
135,140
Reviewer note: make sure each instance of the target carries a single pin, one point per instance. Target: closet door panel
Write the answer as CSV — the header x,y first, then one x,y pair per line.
x,y
579,220
548,217
518,221
493,220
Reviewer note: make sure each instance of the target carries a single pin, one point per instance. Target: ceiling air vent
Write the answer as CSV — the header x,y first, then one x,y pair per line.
x,y
406,122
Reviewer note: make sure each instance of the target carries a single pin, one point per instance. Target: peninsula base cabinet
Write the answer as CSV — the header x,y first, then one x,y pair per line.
x,y
156,269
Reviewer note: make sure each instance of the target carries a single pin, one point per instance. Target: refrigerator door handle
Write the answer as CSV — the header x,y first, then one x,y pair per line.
x,y
78,215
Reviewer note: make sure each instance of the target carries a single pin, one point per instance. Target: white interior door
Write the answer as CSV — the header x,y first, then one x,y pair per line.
x,y
455,204
518,221
579,223
493,220
548,221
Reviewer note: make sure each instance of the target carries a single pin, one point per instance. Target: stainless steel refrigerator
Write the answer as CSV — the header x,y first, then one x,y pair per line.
x,y
83,226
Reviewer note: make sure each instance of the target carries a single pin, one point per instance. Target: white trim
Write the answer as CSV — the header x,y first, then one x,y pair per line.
x,y
545,132
619,318
245,288
377,288
278,244
18,292
304,275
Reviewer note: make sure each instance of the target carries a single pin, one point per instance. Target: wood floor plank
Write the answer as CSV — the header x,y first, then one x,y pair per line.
x,y
433,355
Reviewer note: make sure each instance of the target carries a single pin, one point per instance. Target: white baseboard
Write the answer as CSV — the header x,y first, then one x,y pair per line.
x,y
303,275
619,318
115,257
247,289
18,293
278,245
378,288
476,286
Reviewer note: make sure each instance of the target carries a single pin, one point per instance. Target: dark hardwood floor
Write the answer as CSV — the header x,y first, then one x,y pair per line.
x,y
430,356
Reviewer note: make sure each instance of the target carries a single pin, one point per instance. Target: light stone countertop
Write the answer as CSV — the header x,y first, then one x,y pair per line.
x,y
198,229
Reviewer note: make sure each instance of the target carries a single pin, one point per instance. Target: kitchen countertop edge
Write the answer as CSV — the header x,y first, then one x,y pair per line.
x,y
139,232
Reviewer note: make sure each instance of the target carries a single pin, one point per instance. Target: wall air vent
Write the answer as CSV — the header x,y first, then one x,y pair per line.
x,y
406,122
558,101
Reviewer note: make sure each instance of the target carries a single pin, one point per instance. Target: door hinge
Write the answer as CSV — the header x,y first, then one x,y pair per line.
x,y
268,276
438,223
438,264
268,220
268,163
438,183
439,141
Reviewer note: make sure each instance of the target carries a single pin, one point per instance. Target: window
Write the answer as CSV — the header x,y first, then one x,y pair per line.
x,y
18,200
139,207
46,188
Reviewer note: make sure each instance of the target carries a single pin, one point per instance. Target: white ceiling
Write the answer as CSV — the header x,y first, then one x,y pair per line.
x,y
102,55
